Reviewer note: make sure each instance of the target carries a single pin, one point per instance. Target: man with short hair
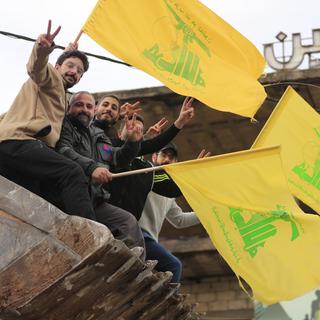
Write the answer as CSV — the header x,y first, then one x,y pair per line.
x,y
109,111
130,192
92,150
158,208
31,128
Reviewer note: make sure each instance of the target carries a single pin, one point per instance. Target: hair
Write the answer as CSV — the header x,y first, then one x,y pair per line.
x,y
138,117
74,54
107,96
73,97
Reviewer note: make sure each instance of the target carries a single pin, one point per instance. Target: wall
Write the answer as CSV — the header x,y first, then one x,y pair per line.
x,y
219,298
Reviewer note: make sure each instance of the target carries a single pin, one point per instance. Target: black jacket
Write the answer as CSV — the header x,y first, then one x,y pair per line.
x,y
91,148
130,192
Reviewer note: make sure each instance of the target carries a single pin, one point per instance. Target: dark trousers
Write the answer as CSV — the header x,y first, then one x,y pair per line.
x,y
31,163
123,225
166,260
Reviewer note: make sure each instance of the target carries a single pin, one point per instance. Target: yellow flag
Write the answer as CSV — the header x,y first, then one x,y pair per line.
x,y
243,201
295,125
184,45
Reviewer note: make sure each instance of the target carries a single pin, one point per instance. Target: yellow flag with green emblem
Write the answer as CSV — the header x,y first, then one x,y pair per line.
x,y
243,201
184,45
295,125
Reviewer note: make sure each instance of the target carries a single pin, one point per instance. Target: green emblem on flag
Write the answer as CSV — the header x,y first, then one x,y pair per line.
x,y
256,229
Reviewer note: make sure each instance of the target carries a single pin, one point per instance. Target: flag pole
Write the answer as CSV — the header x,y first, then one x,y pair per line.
x,y
78,36
138,171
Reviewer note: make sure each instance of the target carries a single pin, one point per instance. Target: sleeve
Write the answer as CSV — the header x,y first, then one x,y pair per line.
x,y
2,116
37,66
180,219
118,157
158,142
164,185
125,154
65,147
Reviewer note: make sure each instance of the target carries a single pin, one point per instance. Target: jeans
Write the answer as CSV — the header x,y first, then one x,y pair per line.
x,y
166,260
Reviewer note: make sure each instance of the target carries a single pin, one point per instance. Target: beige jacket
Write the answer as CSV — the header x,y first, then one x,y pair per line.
x,y
39,108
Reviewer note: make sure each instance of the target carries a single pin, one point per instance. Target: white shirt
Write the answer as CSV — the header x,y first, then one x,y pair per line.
x,y
157,208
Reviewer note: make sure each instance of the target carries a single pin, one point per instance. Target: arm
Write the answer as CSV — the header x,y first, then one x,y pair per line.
x,y
180,219
37,65
66,147
2,116
124,155
164,185
155,144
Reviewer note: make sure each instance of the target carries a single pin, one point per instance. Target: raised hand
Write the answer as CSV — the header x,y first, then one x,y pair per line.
x,y
203,154
134,130
128,109
156,129
186,113
46,39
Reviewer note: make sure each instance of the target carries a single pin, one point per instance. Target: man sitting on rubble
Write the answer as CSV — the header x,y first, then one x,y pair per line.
x,y
130,192
30,129
92,150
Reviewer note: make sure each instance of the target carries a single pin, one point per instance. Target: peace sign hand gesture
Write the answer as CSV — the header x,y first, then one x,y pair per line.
x,y
156,129
46,39
134,131
186,113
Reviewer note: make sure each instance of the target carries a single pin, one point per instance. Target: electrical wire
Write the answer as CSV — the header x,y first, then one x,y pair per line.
x,y
18,36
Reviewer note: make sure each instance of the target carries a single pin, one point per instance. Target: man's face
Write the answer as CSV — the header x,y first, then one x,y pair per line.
x,y
82,108
108,110
163,157
71,71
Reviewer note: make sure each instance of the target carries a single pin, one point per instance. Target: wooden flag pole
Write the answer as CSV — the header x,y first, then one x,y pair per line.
x,y
133,172
78,36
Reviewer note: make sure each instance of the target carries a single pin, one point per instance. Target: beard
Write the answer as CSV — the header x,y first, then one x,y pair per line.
x,y
69,81
83,119
108,120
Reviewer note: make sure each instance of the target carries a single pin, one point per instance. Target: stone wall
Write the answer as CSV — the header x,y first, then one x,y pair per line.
x,y
219,298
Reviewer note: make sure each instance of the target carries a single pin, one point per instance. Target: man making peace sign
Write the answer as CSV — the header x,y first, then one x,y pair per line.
x,y
31,127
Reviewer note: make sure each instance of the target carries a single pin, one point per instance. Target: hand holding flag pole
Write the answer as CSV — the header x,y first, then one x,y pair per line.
x,y
74,45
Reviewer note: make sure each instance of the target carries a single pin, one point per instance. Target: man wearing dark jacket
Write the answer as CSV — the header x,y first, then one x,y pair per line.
x,y
130,192
89,147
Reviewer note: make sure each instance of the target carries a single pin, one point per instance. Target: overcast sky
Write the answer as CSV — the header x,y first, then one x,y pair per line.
x,y
258,20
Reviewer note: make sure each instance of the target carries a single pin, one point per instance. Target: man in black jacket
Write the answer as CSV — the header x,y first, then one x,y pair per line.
x,y
130,192
92,150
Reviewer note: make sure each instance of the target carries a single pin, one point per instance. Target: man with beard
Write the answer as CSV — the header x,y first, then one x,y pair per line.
x,y
158,208
92,150
130,192
31,127
109,112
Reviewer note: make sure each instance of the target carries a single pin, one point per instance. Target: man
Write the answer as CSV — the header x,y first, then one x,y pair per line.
x,y
91,149
109,112
157,209
31,127
130,192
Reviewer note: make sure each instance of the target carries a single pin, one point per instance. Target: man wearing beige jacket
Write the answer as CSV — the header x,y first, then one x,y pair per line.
x,y
31,128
